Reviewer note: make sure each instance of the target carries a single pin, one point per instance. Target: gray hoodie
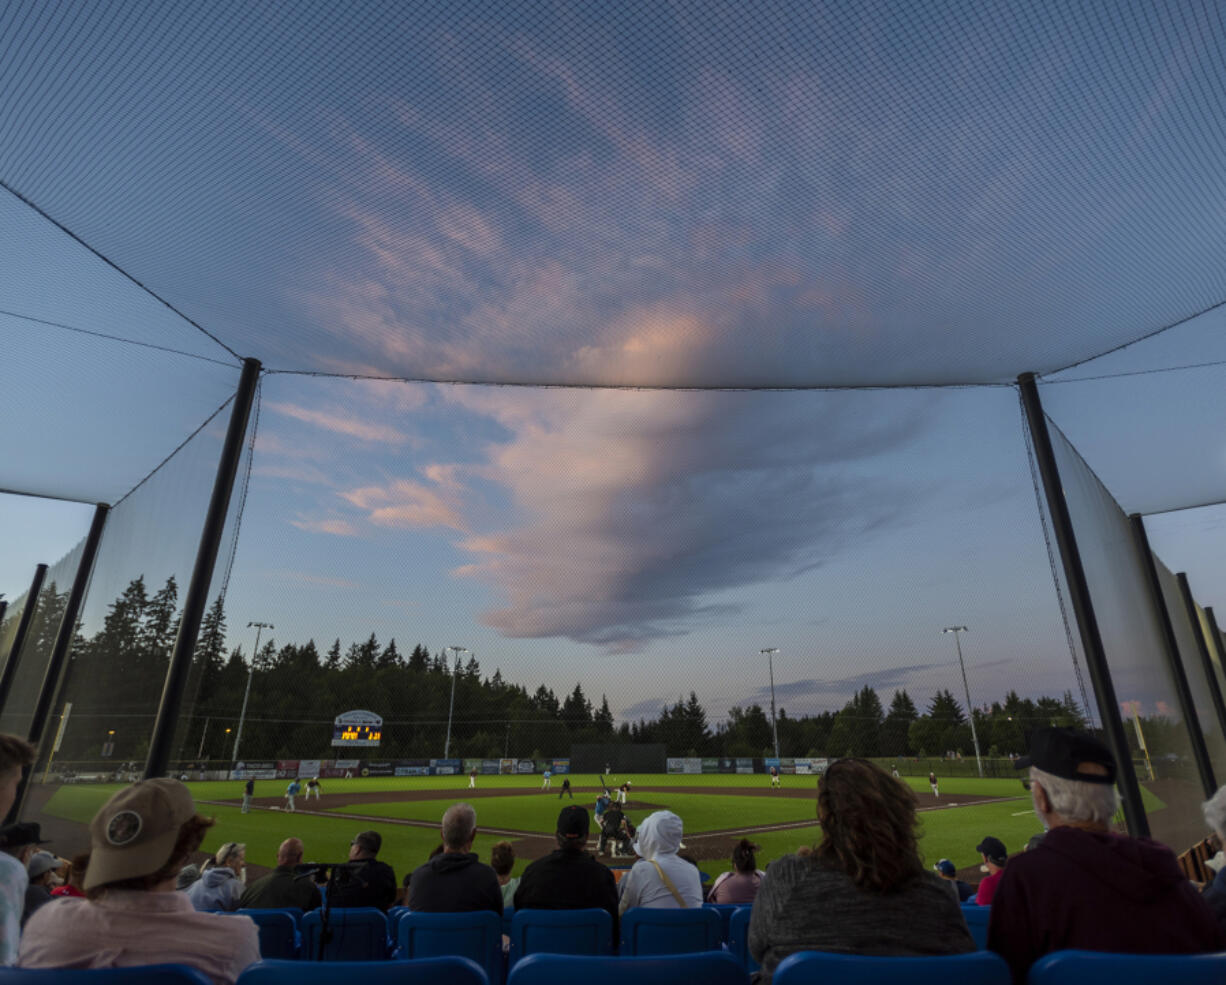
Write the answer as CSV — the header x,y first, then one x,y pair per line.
x,y
217,889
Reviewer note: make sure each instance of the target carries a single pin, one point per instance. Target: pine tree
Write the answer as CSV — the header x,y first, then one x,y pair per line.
x,y
897,724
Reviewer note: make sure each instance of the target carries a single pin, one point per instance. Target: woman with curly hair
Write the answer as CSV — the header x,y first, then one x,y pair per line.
x,y
863,888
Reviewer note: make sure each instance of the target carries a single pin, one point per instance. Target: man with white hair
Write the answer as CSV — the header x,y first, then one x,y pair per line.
x,y
1085,886
456,881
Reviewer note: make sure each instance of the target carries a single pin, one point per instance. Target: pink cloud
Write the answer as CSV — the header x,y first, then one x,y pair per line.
x,y
340,422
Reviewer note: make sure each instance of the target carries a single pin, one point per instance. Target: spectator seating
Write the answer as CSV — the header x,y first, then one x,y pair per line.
x,y
280,937
646,930
576,932
508,913
725,911
475,935
827,968
357,934
1079,967
422,971
153,974
1192,862
977,923
738,938
707,968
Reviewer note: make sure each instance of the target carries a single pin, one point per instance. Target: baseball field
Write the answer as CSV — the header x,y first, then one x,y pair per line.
x,y
716,810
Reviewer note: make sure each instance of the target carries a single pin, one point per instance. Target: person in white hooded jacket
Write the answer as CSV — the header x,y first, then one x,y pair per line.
x,y
660,878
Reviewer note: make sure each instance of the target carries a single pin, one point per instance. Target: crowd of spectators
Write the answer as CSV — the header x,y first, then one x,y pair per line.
x,y
138,898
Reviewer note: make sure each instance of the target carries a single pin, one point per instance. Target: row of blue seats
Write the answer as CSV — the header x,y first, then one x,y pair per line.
x,y
366,934
710,968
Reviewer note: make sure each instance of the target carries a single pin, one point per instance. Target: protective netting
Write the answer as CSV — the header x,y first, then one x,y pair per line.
x,y
744,194
40,639
86,416
1136,654
130,618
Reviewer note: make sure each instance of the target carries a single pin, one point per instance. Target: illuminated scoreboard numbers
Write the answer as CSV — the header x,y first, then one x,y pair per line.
x,y
361,733
357,728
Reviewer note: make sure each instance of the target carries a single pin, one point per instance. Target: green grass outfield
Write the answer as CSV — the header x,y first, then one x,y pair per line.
x,y
949,833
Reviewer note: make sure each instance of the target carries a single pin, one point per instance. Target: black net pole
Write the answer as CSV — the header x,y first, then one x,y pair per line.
x,y
1200,752
1202,646
9,674
1083,608
194,601
59,651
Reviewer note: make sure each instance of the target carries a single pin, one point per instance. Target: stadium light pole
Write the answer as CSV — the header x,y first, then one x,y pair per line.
x,y
770,652
242,715
970,709
451,708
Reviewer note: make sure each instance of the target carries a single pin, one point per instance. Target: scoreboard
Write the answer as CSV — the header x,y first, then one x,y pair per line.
x,y
357,728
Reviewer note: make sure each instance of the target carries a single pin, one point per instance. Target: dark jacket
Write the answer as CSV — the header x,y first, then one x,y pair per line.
x,y
36,896
567,879
454,882
367,882
279,889
1097,892
810,904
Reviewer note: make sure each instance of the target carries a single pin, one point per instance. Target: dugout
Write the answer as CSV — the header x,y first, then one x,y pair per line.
x,y
593,757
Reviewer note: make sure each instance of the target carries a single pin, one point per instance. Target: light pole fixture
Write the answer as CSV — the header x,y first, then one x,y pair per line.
x,y
242,715
970,710
451,708
770,652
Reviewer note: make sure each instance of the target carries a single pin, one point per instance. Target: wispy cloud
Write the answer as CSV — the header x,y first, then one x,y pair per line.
x,y
341,422
328,525
310,578
408,503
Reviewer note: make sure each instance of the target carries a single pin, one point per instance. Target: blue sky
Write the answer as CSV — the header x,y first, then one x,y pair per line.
x,y
671,196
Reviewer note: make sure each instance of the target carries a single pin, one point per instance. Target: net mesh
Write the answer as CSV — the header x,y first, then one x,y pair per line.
x,y
788,194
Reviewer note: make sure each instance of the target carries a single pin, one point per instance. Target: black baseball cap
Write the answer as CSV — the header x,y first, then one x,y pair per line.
x,y
573,823
1061,751
994,849
21,833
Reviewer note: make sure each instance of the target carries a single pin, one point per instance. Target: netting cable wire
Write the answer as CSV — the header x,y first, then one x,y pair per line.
x,y
178,448
112,338
1132,372
1052,564
642,387
242,494
1141,338
113,265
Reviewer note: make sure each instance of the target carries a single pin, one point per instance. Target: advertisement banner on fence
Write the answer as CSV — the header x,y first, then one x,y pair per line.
x,y
525,766
506,766
744,765
727,765
787,765
287,769
710,765
379,767
412,767
561,766
310,767
490,765
770,761
248,770
445,767
684,765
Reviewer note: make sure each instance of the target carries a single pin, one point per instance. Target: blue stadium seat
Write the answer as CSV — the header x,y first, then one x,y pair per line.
x,y
646,930
977,923
1079,967
422,971
357,934
508,913
738,938
725,911
707,968
577,932
153,974
279,935
476,935
825,968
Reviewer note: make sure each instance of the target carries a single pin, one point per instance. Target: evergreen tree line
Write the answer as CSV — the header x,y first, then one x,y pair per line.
x,y
115,680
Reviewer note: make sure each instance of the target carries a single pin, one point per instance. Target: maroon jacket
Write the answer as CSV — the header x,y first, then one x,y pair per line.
x,y
1097,892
